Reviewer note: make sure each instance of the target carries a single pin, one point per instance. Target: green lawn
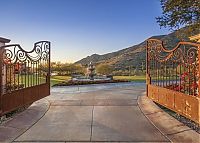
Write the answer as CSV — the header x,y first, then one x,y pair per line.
x,y
33,79
131,78
58,79
29,80
143,78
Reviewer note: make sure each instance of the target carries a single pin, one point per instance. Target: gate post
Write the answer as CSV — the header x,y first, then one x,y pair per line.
x,y
49,70
147,70
199,73
2,43
199,81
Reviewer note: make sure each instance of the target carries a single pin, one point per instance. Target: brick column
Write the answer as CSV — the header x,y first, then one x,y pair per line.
x,y
3,41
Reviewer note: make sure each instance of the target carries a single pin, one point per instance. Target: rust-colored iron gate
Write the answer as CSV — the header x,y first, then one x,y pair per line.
x,y
24,76
173,77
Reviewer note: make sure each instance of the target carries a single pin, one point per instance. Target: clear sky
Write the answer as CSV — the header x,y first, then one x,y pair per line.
x,y
78,28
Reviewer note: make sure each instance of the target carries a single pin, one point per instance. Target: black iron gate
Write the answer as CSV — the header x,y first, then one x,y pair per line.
x,y
24,76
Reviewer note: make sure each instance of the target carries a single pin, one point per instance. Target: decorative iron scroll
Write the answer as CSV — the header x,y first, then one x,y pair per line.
x,y
22,69
176,69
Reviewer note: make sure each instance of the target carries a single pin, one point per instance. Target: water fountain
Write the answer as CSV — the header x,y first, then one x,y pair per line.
x,y
91,71
91,75
89,78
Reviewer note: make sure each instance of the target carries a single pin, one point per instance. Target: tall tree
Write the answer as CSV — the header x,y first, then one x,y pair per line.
x,y
180,13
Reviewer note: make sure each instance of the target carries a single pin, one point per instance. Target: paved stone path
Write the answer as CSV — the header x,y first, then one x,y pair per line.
x,y
110,115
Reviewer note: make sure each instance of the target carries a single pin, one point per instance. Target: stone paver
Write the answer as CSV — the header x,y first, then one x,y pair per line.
x,y
88,142
8,134
21,122
62,123
123,123
110,115
100,116
170,127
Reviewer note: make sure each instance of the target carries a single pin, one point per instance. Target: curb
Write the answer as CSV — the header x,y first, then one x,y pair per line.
x,y
21,122
171,128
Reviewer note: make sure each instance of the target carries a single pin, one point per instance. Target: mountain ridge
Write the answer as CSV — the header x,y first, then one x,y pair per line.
x,y
131,56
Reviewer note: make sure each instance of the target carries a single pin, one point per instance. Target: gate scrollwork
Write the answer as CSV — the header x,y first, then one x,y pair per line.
x,y
22,69
177,68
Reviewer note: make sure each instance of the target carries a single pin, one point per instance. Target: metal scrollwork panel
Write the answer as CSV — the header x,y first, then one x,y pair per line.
x,y
22,68
15,53
177,68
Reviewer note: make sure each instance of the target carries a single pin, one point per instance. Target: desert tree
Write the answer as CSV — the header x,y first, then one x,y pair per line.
x,y
104,69
180,13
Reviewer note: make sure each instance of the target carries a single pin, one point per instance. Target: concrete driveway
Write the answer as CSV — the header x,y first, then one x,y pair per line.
x,y
109,115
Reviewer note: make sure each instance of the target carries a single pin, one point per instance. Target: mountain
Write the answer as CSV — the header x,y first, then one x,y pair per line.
x,y
132,56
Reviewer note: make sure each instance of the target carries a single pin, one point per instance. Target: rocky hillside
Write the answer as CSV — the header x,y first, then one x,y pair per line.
x,y
132,56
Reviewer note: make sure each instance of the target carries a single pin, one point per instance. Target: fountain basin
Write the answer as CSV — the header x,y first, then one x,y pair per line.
x,y
88,81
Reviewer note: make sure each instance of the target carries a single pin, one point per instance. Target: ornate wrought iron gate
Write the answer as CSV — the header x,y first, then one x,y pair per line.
x,y
24,76
173,77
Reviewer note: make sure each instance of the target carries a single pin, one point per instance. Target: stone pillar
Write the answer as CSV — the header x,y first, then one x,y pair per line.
x,y
3,41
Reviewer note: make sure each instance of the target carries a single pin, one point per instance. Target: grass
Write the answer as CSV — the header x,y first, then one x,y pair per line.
x,y
132,78
29,80
33,79
58,79
61,77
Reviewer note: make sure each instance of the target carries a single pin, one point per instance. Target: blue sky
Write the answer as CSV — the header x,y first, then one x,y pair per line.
x,y
78,28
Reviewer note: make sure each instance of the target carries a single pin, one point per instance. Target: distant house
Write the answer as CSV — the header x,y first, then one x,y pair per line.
x,y
53,74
